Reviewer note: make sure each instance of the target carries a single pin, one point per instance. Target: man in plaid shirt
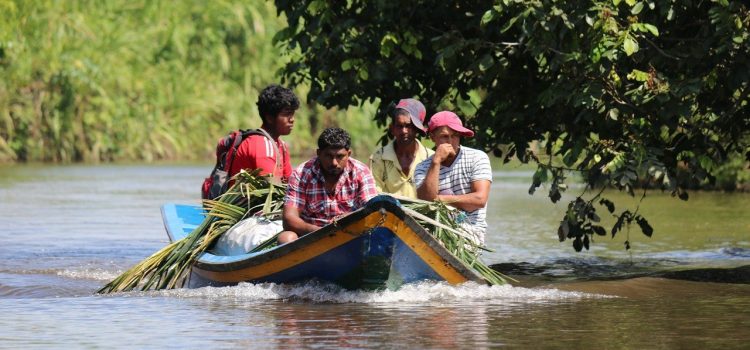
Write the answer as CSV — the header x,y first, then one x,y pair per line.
x,y
325,187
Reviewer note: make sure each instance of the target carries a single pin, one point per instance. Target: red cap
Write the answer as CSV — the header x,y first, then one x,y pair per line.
x,y
451,120
416,111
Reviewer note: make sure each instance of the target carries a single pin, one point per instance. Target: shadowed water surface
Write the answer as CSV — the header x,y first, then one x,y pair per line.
x,y
68,230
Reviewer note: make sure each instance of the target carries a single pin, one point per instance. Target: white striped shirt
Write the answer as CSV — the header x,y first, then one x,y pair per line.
x,y
470,165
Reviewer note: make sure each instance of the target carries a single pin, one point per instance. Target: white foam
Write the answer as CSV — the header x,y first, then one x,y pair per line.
x,y
424,292
90,273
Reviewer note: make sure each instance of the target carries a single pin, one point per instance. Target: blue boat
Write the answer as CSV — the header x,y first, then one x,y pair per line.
x,y
378,246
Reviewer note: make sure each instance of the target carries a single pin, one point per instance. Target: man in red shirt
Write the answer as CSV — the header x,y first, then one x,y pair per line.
x,y
276,106
325,187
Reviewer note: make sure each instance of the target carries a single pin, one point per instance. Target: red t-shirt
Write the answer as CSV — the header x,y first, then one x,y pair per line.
x,y
257,152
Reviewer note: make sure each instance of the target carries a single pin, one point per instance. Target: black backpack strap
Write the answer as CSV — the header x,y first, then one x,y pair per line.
x,y
236,144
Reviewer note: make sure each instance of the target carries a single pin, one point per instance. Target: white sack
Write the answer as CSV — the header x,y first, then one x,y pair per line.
x,y
246,235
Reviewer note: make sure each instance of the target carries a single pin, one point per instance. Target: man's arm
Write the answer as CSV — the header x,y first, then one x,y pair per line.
x,y
477,199
293,201
377,169
429,188
293,222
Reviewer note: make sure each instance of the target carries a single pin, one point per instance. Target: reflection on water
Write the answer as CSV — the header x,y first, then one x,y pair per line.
x,y
68,230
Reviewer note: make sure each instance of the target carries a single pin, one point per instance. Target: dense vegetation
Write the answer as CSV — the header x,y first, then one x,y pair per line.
x,y
626,93
142,80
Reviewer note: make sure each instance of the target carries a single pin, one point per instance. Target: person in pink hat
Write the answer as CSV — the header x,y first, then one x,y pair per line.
x,y
457,175
393,164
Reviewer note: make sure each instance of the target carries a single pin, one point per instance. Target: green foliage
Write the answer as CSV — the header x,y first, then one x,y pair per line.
x,y
626,93
139,80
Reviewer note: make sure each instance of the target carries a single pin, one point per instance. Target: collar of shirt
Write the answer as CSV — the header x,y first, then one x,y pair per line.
x,y
389,151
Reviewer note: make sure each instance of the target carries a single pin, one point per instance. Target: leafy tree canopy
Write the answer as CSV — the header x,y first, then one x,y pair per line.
x,y
625,92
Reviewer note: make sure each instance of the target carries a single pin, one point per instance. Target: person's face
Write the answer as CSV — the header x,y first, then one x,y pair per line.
x,y
402,129
445,134
333,160
283,123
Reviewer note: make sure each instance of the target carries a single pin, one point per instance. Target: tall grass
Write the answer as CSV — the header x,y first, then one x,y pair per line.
x,y
141,80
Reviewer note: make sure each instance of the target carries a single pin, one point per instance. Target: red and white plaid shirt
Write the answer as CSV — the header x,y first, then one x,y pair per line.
x,y
306,191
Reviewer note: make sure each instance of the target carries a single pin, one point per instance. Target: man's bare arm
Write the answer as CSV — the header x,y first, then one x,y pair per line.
x,y
429,188
477,199
293,222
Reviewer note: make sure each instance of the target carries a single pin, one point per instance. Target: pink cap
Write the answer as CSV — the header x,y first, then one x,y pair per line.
x,y
451,120
416,111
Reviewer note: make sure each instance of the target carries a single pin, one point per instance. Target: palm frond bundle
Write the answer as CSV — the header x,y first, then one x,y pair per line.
x,y
167,268
441,220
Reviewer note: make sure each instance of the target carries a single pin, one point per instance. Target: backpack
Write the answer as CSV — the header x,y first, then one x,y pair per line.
x,y
216,184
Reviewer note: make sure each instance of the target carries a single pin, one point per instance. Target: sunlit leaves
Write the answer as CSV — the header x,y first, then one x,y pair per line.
x,y
645,28
630,45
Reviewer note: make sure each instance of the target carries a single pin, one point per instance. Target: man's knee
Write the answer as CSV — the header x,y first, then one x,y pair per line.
x,y
287,236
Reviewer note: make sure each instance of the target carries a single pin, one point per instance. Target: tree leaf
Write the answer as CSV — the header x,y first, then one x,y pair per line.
x,y
577,244
486,63
562,230
645,227
682,194
599,230
607,203
652,29
637,8
613,113
488,17
630,46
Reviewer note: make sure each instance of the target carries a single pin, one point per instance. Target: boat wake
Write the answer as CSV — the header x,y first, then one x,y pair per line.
x,y
90,273
423,292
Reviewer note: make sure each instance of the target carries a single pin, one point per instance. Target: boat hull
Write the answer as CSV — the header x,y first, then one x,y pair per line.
x,y
378,246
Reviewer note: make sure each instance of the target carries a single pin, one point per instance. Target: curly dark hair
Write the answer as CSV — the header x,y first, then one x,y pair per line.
x,y
334,138
276,98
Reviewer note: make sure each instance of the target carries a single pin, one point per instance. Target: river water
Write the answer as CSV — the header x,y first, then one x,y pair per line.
x,y
68,230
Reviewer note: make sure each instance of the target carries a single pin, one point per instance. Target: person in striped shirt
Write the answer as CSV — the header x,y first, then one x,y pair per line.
x,y
457,175
325,187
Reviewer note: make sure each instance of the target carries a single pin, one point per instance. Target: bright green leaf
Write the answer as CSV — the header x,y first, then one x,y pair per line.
x,y
638,75
614,113
652,29
488,17
637,8
630,46
589,20
363,74
346,65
